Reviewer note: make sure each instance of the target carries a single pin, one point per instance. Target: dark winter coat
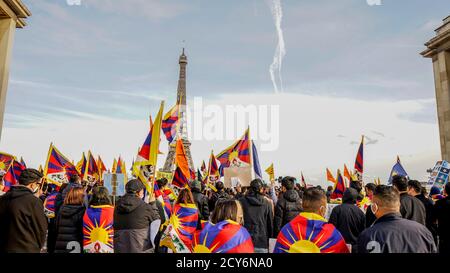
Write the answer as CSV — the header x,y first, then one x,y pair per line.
x,y
258,219
393,234
217,196
429,208
441,214
23,224
132,219
289,205
69,228
412,208
201,201
348,218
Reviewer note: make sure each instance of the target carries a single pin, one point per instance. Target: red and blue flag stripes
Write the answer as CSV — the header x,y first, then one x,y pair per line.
x,y
310,233
57,163
184,219
169,123
359,162
11,177
237,153
98,231
339,187
179,179
224,237
49,203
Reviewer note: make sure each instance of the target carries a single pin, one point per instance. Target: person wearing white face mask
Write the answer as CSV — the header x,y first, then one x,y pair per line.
x,y
391,233
23,224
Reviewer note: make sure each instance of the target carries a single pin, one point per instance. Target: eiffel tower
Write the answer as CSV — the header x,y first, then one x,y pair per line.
x,y
182,129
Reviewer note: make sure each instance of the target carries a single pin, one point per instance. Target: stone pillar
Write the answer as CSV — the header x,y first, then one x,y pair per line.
x,y
438,49
12,15
7,29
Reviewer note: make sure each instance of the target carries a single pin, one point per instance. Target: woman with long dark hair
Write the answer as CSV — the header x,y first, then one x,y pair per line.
x,y
98,231
69,223
224,233
183,222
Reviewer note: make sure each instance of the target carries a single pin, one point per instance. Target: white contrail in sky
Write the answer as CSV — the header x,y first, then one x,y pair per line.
x,y
280,52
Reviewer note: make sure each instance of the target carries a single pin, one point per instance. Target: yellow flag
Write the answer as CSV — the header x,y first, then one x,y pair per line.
x,y
271,172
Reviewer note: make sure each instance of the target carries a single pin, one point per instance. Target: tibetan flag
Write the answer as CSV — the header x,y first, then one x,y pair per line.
x,y
330,177
58,168
199,176
49,205
397,169
270,172
92,172
179,179
203,169
119,167
114,166
144,168
224,237
181,160
23,162
81,167
5,162
359,162
184,222
213,174
339,187
98,231
256,166
11,177
170,123
236,155
310,233
303,180
347,174
101,167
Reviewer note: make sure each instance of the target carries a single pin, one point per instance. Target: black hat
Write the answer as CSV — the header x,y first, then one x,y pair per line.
x,y
134,186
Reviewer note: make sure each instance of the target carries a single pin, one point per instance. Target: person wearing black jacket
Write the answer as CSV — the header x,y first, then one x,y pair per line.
x,y
288,206
416,190
348,218
69,223
411,208
201,201
23,224
218,196
441,216
258,216
391,233
134,221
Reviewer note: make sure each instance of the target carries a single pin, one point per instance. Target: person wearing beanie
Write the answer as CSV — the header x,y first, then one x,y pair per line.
x,y
201,201
23,224
132,221
258,216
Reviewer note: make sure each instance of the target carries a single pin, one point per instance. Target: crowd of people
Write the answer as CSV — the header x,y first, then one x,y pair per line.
x,y
76,217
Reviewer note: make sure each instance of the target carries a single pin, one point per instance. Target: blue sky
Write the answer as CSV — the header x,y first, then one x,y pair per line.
x,y
118,59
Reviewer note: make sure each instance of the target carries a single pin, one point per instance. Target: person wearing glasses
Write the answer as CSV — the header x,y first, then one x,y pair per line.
x,y
23,224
